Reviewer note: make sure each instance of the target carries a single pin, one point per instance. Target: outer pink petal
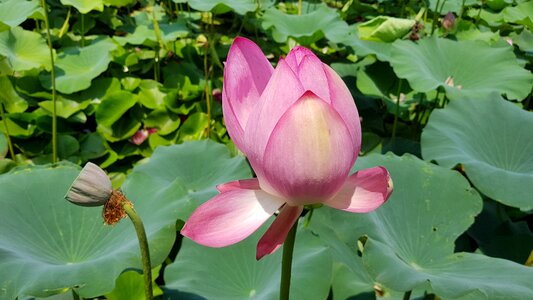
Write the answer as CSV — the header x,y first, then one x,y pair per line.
x,y
296,55
247,184
343,102
230,217
277,232
364,191
309,154
313,78
282,91
246,74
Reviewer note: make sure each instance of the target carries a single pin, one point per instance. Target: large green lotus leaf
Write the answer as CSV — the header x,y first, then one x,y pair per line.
x,y
491,138
85,6
409,241
14,12
76,67
233,272
197,167
463,68
309,27
49,245
384,29
24,50
10,98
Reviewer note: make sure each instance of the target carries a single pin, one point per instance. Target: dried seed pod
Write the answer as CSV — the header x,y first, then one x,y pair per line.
x,y
91,188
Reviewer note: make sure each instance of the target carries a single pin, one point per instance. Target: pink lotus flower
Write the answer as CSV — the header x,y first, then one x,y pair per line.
x,y
299,127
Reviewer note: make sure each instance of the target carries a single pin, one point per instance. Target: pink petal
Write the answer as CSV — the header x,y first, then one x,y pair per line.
x,y
282,91
342,101
296,55
246,74
277,232
230,217
247,184
309,154
313,78
364,191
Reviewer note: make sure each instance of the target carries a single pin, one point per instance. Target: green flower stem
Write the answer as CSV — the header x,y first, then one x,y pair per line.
x,y
407,295
160,45
397,113
143,244
286,263
53,75
435,17
82,41
8,137
75,295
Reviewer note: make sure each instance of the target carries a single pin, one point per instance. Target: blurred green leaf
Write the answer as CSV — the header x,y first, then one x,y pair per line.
x,y
10,98
164,121
14,12
119,3
92,146
524,40
194,127
150,94
491,138
520,14
24,50
19,125
85,6
223,6
111,117
64,107
384,29
77,67
130,285
318,21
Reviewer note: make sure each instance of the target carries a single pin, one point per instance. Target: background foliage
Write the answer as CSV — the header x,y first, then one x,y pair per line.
x,y
445,86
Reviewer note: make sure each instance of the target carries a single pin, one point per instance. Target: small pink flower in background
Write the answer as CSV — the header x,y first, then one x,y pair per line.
x,y
300,129
141,135
217,95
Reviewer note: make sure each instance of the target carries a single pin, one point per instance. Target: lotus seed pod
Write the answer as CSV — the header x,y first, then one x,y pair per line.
x,y
91,188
